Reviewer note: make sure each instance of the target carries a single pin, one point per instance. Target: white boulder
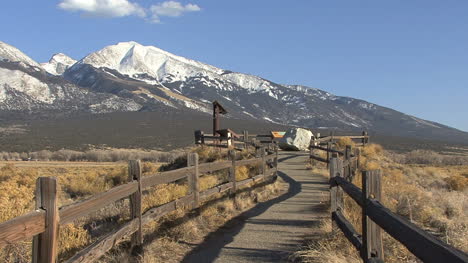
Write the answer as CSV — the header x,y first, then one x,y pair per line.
x,y
296,139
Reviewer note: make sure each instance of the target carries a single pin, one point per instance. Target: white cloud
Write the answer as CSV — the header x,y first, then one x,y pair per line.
x,y
121,8
104,8
172,9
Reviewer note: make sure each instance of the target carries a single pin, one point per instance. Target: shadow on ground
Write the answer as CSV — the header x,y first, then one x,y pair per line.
x,y
210,248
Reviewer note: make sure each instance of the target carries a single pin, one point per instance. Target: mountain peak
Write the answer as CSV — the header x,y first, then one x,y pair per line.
x,y
62,58
13,54
132,59
58,63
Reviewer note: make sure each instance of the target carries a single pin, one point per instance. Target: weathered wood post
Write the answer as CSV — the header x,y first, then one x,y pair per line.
x,y
257,149
246,139
372,246
276,160
264,166
336,193
312,143
347,170
365,138
193,184
199,137
357,156
328,153
134,174
229,140
232,173
45,245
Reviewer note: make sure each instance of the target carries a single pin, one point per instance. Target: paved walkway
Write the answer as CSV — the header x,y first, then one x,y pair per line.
x,y
271,230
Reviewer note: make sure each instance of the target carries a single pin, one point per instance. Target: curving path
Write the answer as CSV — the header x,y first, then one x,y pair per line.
x,y
271,230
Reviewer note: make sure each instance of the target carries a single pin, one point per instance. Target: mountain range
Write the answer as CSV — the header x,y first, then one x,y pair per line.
x,y
130,77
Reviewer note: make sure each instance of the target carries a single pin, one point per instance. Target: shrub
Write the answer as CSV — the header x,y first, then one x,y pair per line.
x,y
242,173
209,154
343,141
86,184
149,168
372,150
71,239
457,182
179,162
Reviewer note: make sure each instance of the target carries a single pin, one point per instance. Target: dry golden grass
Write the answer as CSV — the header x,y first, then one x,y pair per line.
x,y
457,182
172,237
324,247
343,142
433,197
81,180
242,173
17,186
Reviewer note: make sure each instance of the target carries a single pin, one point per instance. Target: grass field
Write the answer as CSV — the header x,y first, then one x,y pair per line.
x,y
434,196
79,180
68,165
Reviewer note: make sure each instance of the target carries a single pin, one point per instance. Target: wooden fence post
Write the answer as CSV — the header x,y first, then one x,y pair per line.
x,y
328,153
246,139
372,246
45,244
276,160
336,193
232,173
257,150
311,150
193,184
357,156
134,174
264,166
365,138
199,137
347,170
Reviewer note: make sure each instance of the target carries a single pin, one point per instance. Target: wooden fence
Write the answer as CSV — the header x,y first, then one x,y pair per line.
x,y
43,224
241,142
360,140
376,217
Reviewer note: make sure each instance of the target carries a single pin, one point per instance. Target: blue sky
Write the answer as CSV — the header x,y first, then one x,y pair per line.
x,y
408,55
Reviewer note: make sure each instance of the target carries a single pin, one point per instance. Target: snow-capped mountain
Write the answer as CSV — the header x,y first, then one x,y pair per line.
x,y
131,77
10,53
26,87
58,63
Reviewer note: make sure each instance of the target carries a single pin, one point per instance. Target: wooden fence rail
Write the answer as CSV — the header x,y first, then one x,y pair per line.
x,y
245,140
362,140
376,217
43,224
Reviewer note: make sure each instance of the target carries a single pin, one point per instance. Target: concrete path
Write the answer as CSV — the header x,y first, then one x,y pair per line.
x,y
271,230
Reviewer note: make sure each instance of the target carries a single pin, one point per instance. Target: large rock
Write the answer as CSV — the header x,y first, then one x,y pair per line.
x,y
296,139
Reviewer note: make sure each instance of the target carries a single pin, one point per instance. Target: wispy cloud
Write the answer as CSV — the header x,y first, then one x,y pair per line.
x,y
172,9
121,8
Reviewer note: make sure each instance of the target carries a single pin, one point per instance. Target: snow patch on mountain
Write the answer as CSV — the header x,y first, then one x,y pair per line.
x,y
423,122
58,64
133,59
26,84
155,66
13,54
113,104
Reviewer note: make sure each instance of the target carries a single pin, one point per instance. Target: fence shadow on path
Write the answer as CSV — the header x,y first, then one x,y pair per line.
x,y
212,245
